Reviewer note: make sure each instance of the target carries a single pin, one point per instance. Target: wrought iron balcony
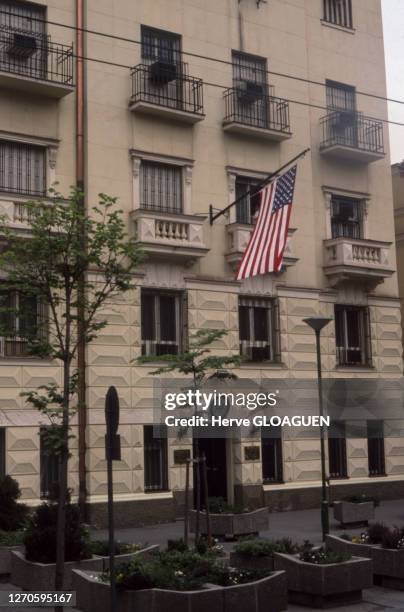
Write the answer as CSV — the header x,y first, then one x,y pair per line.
x,y
238,235
30,62
352,136
172,237
248,110
365,261
165,89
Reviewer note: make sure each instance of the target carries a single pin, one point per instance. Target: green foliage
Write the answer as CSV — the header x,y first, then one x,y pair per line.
x,y
180,570
360,499
376,532
40,536
393,538
265,548
218,505
321,556
101,548
12,513
196,360
178,545
11,538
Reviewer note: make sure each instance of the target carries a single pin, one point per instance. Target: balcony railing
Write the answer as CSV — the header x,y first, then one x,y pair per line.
x,y
170,236
163,88
367,261
28,54
352,135
251,108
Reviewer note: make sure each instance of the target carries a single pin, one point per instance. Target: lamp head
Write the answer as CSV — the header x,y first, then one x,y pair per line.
x,y
317,323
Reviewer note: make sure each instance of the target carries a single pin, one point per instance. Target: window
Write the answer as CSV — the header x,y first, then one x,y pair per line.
x,y
259,329
49,466
161,187
272,455
376,448
340,96
2,452
22,319
337,450
338,12
161,316
250,84
346,217
352,336
155,458
23,16
247,208
158,45
22,168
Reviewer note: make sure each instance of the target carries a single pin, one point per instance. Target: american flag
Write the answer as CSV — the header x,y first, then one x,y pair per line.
x,y
264,252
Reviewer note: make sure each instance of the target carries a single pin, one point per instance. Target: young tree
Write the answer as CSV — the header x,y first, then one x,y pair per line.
x,y
46,267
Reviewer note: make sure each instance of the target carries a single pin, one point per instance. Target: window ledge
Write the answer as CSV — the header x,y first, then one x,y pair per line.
x,y
335,26
264,365
355,368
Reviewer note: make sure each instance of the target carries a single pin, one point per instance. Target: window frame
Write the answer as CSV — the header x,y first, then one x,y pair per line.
x,y
273,445
273,344
364,336
337,200
163,458
379,447
244,205
335,91
3,451
331,16
161,36
17,316
180,299
144,186
48,465
337,451
16,152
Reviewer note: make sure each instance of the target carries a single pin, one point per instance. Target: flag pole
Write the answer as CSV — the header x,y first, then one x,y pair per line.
x,y
256,189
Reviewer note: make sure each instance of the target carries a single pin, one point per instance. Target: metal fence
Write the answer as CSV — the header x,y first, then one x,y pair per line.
x,y
352,129
167,85
252,107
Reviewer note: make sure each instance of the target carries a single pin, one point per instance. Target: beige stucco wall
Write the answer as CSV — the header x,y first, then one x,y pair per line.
x,y
291,35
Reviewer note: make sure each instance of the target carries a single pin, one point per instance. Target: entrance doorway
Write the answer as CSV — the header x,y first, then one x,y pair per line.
x,y
214,450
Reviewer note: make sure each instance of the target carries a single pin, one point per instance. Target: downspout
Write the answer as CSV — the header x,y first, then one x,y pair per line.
x,y
81,186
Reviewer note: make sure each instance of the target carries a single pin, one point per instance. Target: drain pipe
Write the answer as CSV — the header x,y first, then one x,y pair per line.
x,y
81,185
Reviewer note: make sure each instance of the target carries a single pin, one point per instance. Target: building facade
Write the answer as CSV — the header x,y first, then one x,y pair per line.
x,y
188,104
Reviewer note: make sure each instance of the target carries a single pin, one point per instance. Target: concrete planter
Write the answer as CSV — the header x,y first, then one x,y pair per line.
x,y
232,525
251,597
340,545
5,558
322,586
249,562
32,576
350,513
388,567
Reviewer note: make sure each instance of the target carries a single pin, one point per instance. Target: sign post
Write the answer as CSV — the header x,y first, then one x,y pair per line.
x,y
112,453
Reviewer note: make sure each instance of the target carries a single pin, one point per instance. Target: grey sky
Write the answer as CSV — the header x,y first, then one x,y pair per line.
x,y
393,25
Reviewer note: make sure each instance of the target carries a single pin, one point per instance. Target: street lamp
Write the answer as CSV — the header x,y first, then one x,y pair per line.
x,y
317,324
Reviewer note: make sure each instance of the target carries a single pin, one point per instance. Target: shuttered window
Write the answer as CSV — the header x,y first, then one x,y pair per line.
x,y
272,470
159,45
346,217
259,329
340,96
49,466
162,318
22,320
155,458
337,450
338,12
161,187
352,336
2,452
376,458
22,168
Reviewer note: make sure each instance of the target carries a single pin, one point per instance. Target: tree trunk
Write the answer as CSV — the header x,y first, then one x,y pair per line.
x,y
63,483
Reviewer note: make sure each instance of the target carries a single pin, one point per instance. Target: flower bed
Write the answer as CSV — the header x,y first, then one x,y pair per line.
x,y
31,576
250,597
354,512
258,554
231,525
320,579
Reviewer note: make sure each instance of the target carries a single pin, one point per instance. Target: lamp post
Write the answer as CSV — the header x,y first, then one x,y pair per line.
x,y
317,324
